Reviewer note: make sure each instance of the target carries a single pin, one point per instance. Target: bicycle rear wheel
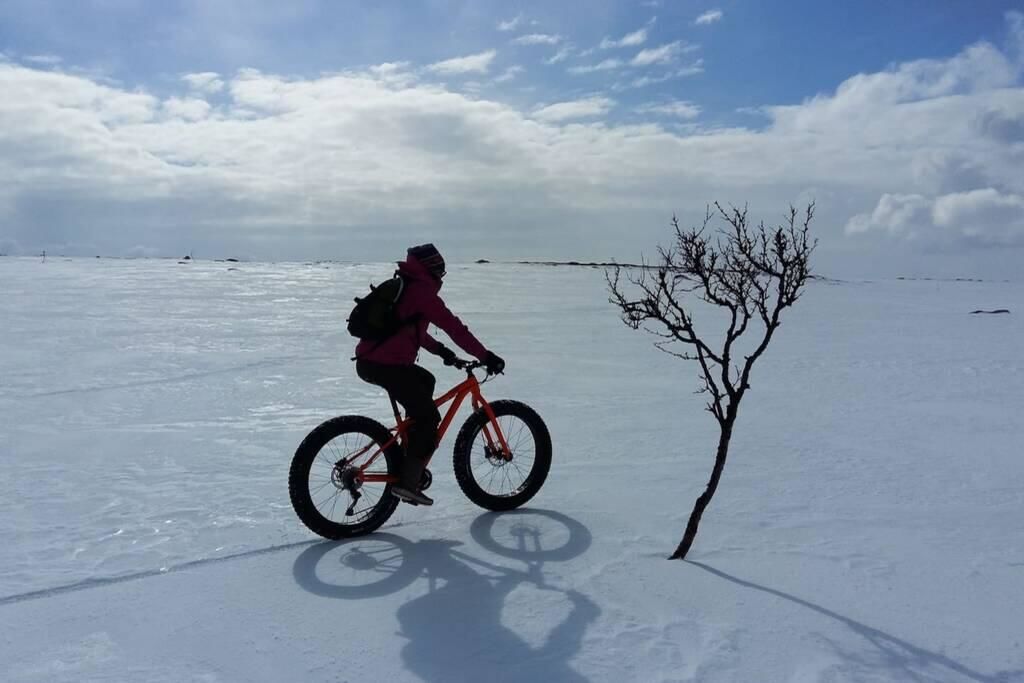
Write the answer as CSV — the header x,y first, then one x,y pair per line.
x,y
325,482
490,480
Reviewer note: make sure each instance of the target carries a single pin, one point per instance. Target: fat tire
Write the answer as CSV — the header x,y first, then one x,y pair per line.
x,y
464,445
305,454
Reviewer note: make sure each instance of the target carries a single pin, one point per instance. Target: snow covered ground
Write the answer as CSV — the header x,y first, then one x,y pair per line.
x,y
868,527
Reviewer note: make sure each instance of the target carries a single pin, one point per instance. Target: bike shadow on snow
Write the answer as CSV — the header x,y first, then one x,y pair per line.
x,y
454,629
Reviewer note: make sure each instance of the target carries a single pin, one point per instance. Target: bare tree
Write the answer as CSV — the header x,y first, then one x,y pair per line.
x,y
753,273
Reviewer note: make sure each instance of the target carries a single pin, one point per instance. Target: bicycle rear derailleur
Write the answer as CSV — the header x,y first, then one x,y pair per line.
x,y
348,478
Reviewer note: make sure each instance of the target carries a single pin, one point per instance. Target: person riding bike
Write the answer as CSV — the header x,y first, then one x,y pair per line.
x,y
391,363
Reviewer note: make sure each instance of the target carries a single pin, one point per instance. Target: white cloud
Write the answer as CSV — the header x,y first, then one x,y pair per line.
x,y
45,60
389,68
560,56
396,74
510,24
644,81
538,39
478,63
638,37
663,54
895,213
982,217
336,162
206,81
979,68
606,65
709,17
509,74
576,109
676,108
188,108
1015,24
692,70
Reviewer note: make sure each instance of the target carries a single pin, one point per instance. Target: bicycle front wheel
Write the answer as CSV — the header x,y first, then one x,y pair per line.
x,y
485,475
332,492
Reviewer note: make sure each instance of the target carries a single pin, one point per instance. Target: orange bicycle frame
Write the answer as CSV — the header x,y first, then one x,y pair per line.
x,y
469,387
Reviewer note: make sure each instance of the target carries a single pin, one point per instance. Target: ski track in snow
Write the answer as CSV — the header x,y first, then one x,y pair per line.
x,y
867,527
165,380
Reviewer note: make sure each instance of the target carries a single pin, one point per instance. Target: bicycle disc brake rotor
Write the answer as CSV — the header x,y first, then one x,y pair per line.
x,y
495,456
346,477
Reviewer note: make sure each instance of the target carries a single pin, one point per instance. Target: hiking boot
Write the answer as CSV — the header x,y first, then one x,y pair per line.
x,y
411,496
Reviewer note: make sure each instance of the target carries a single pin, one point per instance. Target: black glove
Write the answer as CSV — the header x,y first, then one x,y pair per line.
x,y
494,364
448,356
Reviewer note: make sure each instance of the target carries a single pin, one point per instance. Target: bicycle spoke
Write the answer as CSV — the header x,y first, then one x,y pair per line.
x,y
518,469
334,450
349,448
313,492
357,513
508,477
334,504
517,446
331,497
372,499
514,439
494,471
323,459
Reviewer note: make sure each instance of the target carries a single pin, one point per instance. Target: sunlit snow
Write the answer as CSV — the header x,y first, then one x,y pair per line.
x,y
868,526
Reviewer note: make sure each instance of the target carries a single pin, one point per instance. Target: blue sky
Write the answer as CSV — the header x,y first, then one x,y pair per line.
x,y
352,126
757,53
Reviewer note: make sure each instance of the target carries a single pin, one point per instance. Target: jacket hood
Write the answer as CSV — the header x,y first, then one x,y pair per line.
x,y
413,269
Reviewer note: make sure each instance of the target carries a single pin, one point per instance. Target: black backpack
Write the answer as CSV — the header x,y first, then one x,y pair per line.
x,y
375,316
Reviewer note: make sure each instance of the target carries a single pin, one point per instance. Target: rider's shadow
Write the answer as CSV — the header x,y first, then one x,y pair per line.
x,y
455,630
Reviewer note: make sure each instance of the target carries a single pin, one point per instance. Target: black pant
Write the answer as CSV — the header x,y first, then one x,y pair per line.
x,y
413,388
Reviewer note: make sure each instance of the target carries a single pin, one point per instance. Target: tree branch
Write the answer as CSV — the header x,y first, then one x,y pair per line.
x,y
753,273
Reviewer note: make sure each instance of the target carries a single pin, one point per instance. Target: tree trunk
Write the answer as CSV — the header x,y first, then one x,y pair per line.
x,y
705,498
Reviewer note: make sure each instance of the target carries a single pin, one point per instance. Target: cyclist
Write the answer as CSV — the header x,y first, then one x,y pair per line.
x,y
391,364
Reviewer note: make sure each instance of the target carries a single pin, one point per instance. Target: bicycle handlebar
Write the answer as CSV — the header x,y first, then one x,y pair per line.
x,y
468,365
463,364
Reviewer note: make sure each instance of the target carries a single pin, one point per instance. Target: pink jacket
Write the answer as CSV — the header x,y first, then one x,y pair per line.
x,y
420,298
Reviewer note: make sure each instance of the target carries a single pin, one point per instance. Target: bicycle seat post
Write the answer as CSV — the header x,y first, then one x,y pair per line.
x,y
398,421
394,408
